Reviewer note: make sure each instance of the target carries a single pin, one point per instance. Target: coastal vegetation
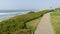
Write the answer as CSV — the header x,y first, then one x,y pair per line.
x,y
55,19
25,21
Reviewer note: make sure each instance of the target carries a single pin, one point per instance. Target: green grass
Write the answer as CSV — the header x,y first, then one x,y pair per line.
x,y
14,24
33,24
55,18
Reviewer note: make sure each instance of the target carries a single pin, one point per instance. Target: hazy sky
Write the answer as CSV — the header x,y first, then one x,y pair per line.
x,y
28,4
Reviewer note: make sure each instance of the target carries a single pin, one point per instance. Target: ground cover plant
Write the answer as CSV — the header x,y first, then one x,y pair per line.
x,y
55,19
14,24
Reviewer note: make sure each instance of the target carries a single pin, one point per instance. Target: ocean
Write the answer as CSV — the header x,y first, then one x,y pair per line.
x,y
11,13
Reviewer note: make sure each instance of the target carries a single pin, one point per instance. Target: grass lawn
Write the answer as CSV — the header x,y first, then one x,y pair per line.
x,y
55,18
33,24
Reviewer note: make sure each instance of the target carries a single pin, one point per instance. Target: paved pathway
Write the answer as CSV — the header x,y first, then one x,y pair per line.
x,y
45,26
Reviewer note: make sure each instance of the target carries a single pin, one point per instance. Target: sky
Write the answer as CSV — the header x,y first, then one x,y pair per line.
x,y
28,4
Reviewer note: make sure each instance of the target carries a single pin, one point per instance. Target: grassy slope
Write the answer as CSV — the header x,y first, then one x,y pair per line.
x,y
13,25
55,18
33,24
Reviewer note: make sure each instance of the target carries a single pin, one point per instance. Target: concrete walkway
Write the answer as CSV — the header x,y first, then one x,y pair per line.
x,y
45,26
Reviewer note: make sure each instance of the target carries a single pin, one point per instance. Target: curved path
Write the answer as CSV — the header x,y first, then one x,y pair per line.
x,y
45,26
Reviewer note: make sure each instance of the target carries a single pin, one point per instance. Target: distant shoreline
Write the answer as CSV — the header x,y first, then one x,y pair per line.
x,y
7,15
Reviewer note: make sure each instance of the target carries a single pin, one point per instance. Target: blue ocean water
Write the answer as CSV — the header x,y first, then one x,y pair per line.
x,y
10,13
